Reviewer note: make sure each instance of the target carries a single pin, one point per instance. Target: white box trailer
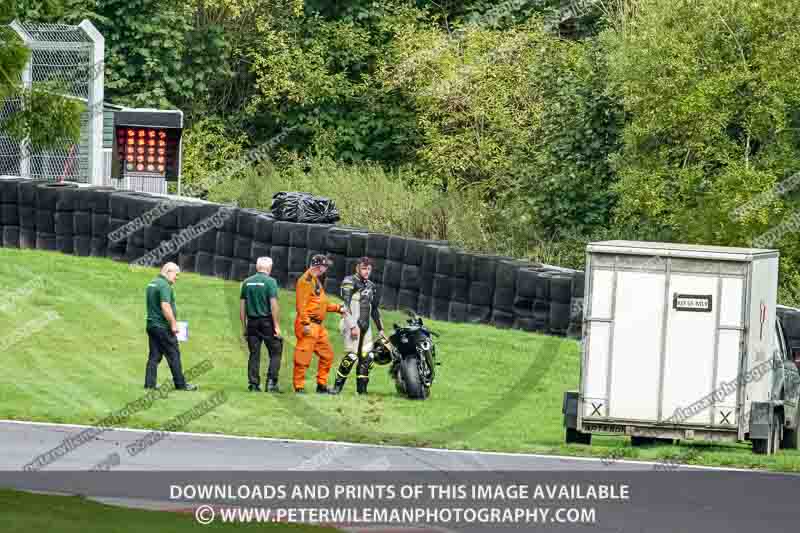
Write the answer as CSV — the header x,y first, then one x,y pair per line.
x,y
681,342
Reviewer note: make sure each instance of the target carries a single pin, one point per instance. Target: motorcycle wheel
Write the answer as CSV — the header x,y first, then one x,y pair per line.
x,y
413,384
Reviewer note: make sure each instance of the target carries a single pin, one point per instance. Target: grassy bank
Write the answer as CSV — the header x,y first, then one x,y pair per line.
x,y
497,389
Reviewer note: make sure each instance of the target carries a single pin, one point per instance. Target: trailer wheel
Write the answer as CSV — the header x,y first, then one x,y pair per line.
x,y
576,437
769,445
777,424
790,440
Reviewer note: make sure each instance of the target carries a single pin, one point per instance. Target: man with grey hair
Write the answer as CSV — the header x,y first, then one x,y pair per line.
x,y
260,318
162,328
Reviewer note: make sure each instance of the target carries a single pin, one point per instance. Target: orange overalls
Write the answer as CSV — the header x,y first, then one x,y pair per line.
x,y
312,306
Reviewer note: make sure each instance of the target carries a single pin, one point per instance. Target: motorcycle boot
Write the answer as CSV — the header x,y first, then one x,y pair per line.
x,y
362,372
344,370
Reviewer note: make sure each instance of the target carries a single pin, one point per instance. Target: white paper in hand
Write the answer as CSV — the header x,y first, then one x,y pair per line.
x,y
183,331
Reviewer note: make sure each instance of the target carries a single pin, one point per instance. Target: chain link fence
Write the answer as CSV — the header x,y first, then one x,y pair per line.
x,y
69,60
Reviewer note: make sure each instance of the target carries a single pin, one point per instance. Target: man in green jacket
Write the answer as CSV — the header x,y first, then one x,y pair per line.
x,y
258,312
162,329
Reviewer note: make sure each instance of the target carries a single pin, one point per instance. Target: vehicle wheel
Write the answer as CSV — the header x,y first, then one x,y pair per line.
x,y
642,441
760,446
775,440
790,440
576,437
769,445
414,387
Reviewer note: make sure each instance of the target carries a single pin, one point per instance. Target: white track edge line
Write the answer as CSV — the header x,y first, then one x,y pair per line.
x,y
392,446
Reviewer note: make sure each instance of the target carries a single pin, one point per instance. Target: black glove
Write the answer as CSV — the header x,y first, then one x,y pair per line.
x,y
363,324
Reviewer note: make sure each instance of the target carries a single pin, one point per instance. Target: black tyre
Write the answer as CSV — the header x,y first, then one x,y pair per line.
x,y
526,283
224,244
152,237
459,290
441,287
204,264
397,249
484,269
424,305
332,285
187,262
429,258
393,274
297,259
407,299
389,298
559,318
242,247
457,312
82,223
506,273
298,235
409,278
790,440
240,270
415,390
9,215
246,222
100,224
356,246
223,266
463,265
526,324
503,299
46,241
82,245
522,307
63,222
479,314
27,238
99,247
45,221
440,309
502,319
573,436
445,261
480,294
415,249
264,225
561,289
10,237
377,245
280,233
259,249
318,236
642,441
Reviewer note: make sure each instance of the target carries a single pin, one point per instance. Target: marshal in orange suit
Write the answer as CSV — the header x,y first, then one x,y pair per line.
x,y
312,337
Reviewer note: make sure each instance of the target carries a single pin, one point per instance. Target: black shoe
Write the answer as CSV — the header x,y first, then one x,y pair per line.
x,y
299,391
272,386
361,385
338,385
188,387
254,388
323,389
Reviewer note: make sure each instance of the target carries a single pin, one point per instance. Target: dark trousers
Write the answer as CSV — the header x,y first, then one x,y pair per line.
x,y
163,343
261,330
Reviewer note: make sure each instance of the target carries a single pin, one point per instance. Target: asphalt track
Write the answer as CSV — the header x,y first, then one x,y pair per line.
x,y
20,442
711,500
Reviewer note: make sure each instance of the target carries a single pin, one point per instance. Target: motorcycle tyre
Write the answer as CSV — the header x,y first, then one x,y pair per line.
x,y
415,389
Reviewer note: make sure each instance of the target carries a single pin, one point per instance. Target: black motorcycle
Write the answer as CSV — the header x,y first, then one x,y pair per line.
x,y
413,355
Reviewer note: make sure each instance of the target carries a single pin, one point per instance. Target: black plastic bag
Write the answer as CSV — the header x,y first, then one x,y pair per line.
x,y
304,207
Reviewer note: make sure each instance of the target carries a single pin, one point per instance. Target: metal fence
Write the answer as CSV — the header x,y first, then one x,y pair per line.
x,y
69,60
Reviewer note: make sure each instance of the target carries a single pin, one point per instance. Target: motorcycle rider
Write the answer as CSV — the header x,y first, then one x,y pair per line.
x,y
361,298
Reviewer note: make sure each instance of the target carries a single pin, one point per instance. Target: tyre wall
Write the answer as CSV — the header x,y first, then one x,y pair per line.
x,y
429,277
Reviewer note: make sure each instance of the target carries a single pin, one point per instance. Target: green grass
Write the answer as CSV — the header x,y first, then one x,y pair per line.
x,y
497,390
24,512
